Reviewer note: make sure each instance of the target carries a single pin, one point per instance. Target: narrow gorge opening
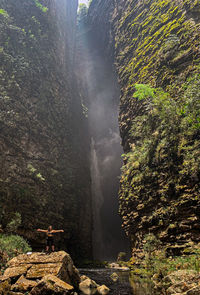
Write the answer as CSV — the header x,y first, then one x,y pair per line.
x,y
100,95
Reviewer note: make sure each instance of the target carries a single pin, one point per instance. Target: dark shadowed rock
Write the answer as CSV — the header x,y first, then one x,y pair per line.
x,y
103,290
23,285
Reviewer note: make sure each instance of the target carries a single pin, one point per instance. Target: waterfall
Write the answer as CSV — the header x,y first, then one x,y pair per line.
x,y
100,94
97,202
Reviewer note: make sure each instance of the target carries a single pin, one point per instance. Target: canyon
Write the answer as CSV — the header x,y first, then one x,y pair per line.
x,y
62,84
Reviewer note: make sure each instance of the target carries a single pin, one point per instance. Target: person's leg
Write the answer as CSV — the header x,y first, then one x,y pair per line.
x,y
47,245
53,247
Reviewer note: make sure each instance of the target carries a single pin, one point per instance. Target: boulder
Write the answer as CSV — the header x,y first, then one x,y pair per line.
x,y
83,278
50,284
114,277
37,265
88,286
113,265
103,290
40,272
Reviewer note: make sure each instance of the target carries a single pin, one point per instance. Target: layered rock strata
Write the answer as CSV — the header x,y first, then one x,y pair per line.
x,y
39,273
44,143
156,43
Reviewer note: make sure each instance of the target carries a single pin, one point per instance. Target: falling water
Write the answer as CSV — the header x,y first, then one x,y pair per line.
x,y
100,94
97,202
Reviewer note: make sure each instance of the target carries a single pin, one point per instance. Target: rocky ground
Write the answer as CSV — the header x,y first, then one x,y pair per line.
x,y
40,273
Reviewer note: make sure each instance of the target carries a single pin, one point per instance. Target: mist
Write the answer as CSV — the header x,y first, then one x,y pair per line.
x,y
101,96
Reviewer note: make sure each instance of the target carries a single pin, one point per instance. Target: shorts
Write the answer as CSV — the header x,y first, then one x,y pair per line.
x,y
50,241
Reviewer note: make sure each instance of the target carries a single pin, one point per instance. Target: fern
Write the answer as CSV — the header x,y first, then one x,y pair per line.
x,y
144,91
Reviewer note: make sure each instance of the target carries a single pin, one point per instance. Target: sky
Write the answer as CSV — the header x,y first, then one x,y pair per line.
x,y
83,1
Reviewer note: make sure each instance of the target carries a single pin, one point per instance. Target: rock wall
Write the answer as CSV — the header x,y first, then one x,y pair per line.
x,y
156,43
44,144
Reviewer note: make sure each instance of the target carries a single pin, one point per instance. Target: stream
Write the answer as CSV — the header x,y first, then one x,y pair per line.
x,y
124,286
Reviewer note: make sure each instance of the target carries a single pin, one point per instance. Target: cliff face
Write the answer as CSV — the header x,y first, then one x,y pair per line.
x,y
44,156
156,43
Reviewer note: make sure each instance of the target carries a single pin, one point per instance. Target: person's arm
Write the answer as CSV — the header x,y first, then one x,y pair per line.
x,y
58,231
42,230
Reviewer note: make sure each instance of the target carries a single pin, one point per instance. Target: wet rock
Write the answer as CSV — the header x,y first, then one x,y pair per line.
x,y
113,265
88,286
50,284
114,277
83,278
117,266
103,290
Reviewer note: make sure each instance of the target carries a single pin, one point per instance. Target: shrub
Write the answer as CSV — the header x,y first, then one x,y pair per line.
x,y
12,245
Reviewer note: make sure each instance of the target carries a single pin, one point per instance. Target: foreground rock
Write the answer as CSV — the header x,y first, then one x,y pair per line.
x,y
52,285
90,287
40,273
114,277
103,290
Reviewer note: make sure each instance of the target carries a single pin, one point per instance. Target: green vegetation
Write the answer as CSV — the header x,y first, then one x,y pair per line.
x,y
39,128
35,173
143,91
40,6
12,244
3,12
163,161
157,265
150,39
